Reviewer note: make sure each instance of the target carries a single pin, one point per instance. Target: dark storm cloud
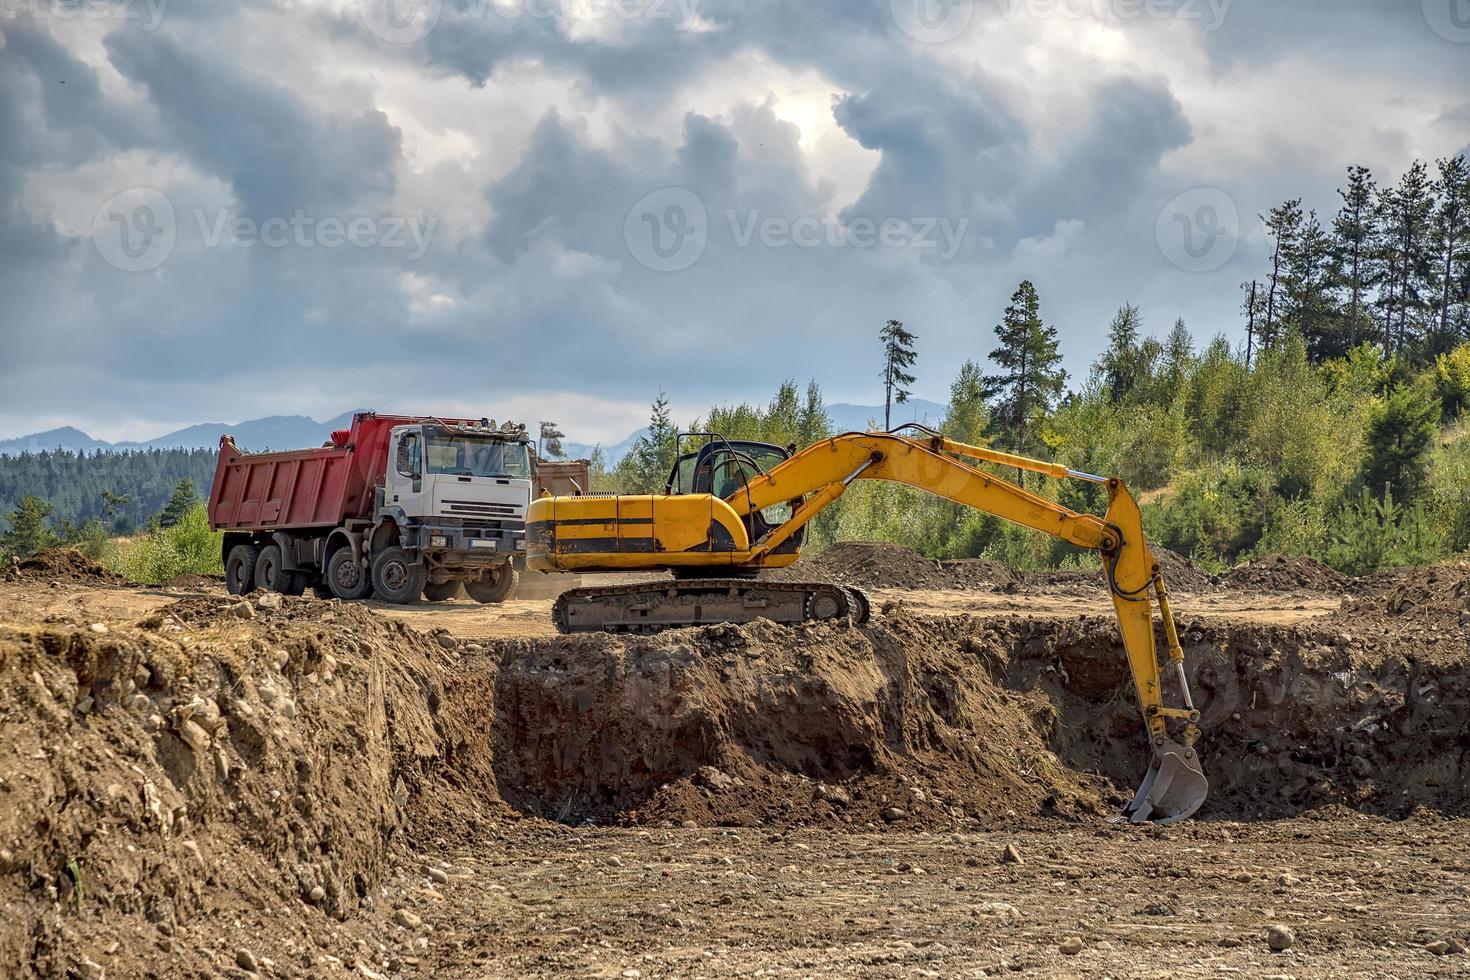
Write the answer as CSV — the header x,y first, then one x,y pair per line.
x,y
548,292
254,133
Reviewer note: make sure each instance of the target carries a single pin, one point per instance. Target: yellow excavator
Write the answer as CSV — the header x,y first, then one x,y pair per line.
x,y
733,508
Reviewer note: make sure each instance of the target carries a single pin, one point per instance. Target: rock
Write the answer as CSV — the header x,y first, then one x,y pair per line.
x,y
271,600
316,895
1011,855
91,969
835,795
243,610
996,910
689,824
446,641
245,960
194,736
711,778
1230,942
892,814
98,628
435,874
1071,946
1439,947
1280,938
407,919
613,861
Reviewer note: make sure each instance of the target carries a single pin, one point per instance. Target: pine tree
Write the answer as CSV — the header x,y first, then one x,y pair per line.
x,y
967,417
1282,224
646,467
1031,376
1405,214
551,437
28,531
1451,242
1119,366
1354,238
1309,288
1400,432
1178,356
184,498
1254,309
898,356
813,423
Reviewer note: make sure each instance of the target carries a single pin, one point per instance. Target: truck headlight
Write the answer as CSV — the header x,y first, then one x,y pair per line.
x,y
437,541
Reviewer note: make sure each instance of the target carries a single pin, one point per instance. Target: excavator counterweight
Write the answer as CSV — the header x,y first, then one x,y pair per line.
x,y
733,508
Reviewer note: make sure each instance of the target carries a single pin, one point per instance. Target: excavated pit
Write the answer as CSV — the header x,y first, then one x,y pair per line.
x,y
213,759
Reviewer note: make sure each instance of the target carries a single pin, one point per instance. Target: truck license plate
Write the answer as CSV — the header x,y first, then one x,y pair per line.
x,y
482,543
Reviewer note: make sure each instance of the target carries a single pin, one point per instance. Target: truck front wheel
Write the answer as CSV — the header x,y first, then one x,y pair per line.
x,y
346,577
240,569
496,586
397,578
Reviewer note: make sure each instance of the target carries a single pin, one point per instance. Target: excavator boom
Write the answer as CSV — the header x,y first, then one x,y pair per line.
x,y
736,516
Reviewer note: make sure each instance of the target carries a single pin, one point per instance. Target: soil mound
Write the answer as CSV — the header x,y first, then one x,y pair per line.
x,y
879,565
65,565
1430,605
201,767
1280,573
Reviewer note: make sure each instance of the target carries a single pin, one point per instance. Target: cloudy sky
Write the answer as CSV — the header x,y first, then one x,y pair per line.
x,y
553,208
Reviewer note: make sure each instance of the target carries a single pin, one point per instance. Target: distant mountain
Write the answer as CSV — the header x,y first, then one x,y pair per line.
x,y
845,418
300,432
276,432
855,418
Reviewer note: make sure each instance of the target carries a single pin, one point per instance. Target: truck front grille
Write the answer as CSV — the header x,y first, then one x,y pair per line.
x,y
476,508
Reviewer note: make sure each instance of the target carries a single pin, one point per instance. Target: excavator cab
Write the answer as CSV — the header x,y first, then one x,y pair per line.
x,y
724,467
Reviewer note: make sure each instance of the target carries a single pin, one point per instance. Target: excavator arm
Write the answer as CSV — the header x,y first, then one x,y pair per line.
x,y
695,534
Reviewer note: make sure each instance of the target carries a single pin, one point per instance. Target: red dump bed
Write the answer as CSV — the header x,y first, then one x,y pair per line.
x,y
304,488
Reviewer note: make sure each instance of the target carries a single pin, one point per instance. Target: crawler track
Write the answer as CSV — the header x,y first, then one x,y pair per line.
x,y
653,606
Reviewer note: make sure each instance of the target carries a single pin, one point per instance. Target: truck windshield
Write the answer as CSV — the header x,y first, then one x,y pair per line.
x,y
470,456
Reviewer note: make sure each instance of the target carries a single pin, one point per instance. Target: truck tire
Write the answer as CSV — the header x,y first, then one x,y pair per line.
x,y
397,578
240,569
443,591
346,577
271,573
498,587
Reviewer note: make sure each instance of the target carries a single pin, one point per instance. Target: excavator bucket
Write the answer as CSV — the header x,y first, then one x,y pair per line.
x,y
1174,787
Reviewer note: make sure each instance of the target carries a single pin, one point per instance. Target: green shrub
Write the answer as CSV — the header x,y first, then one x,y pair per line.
x,y
187,548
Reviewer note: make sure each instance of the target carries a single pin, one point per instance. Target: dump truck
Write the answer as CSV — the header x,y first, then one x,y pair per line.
x,y
400,507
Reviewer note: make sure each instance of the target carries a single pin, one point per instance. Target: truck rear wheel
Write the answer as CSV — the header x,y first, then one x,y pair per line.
x,y
497,586
240,569
271,573
346,577
397,577
443,591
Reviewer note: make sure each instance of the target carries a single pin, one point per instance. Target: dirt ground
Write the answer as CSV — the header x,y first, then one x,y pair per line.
x,y
293,787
